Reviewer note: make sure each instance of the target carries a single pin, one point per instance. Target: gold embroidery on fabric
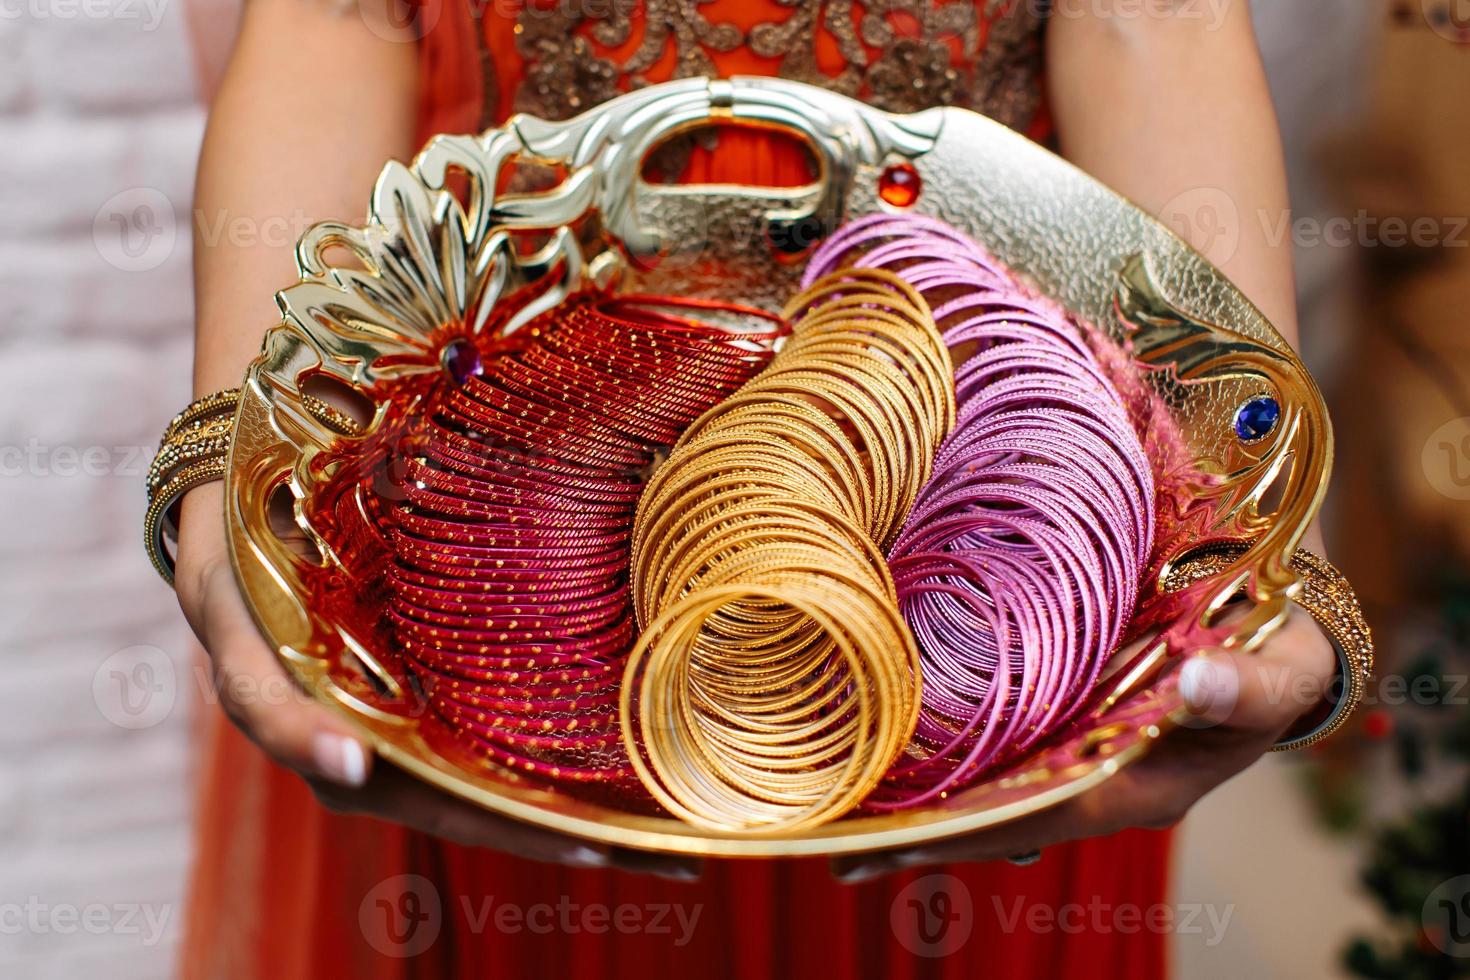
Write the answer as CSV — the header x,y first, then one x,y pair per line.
x,y
1006,84
899,55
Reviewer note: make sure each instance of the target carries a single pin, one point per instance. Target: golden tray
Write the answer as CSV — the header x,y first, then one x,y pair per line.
x,y
441,246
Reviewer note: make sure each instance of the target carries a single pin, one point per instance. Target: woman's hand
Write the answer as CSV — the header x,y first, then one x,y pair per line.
x,y
1240,703
306,737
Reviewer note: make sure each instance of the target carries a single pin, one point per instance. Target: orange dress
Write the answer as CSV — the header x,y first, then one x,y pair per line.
x,y
287,891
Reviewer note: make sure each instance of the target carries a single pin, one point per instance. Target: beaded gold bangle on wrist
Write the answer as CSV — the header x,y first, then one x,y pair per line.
x,y
1328,597
192,452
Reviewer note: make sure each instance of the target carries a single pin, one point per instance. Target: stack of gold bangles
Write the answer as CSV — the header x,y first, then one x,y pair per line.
x,y
775,681
194,450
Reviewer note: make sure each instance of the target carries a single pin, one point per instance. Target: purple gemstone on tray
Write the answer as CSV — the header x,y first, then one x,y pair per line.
x,y
461,359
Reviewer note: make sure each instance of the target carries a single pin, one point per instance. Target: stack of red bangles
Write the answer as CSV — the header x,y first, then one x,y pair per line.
x,y
510,579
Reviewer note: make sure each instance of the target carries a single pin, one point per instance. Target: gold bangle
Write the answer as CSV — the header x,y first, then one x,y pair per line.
x,y
1328,598
193,451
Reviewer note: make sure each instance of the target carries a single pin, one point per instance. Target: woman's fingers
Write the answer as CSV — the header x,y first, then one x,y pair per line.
x,y
395,795
390,793
253,688
265,702
1261,693
1241,703
274,711
1067,821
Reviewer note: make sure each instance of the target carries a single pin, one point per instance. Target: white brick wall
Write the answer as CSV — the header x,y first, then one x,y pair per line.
x,y
97,683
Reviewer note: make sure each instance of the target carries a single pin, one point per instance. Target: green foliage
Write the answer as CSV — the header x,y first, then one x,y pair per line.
x,y
1430,844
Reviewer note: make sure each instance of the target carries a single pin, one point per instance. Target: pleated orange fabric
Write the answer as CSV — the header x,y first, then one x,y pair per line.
x,y
284,890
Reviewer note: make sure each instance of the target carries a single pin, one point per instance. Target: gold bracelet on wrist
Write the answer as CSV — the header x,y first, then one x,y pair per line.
x,y
192,452
1328,597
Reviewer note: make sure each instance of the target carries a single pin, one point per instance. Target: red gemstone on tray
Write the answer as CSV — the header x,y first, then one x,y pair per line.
x,y
461,359
900,184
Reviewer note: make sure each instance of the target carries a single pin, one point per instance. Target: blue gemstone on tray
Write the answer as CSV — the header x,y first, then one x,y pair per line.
x,y
461,359
1256,418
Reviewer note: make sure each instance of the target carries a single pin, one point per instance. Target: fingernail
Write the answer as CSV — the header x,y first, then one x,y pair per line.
x,y
1210,687
1197,683
677,873
1201,682
863,872
341,759
586,857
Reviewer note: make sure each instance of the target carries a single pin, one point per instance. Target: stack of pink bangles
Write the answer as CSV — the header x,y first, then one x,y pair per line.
x,y
1019,565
